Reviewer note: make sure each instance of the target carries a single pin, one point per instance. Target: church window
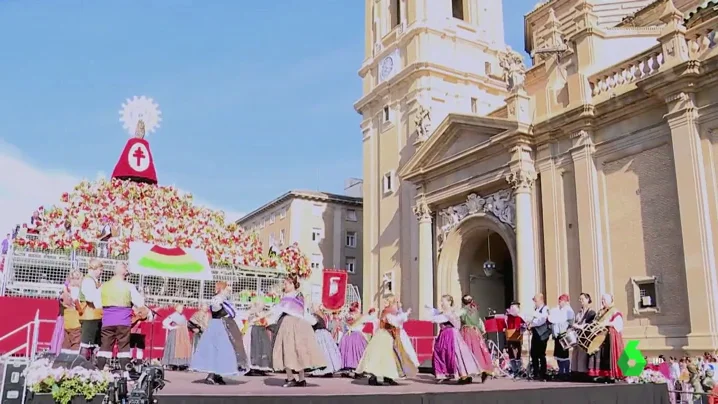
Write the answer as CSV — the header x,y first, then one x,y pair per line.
x,y
395,12
388,182
388,282
487,68
457,9
645,294
386,114
474,106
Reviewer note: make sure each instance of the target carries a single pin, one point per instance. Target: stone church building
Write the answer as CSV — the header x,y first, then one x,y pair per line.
x,y
593,170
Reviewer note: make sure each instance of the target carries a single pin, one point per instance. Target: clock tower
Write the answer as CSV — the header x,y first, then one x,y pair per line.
x,y
423,60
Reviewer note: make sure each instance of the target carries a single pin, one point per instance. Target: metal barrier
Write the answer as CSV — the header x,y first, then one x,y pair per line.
x,y
42,273
685,394
28,350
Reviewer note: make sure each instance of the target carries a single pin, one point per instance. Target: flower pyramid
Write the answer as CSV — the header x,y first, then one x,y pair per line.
x,y
152,214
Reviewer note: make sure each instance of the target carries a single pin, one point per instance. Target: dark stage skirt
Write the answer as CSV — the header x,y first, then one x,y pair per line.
x,y
604,363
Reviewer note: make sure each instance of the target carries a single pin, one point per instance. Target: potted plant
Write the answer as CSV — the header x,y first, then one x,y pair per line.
x,y
58,385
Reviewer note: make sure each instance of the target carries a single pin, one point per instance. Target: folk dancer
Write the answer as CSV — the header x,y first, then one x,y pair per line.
x,y
198,324
69,299
178,348
220,351
385,358
327,345
473,332
353,343
540,333
452,357
294,347
579,357
603,365
90,309
257,340
137,338
405,340
514,336
561,319
118,298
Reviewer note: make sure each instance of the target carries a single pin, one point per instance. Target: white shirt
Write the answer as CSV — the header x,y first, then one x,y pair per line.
x,y
540,317
137,299
91,292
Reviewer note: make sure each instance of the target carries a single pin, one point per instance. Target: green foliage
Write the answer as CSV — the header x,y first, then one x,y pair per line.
x,y
66,389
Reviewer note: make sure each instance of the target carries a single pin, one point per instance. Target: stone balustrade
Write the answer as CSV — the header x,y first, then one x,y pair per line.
x,y
626,72
701,38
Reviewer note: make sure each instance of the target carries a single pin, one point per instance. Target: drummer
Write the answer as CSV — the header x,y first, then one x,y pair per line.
x,y
561,319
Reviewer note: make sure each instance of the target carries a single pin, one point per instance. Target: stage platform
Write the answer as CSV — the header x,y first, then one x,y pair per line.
x,y
186,388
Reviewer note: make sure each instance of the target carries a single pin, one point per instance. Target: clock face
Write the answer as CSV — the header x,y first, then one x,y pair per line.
x,y
387,67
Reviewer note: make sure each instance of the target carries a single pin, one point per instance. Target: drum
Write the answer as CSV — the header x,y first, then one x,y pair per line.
x,y
568,340
591,337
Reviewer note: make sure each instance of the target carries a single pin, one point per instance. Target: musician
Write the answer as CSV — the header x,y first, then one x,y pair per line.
x,y
71,317
540,333
514,336
137,338
118,297
579,357
603,365
90,309
561,319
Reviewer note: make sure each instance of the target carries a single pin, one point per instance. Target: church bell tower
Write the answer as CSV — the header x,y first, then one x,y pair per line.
x,y
423,60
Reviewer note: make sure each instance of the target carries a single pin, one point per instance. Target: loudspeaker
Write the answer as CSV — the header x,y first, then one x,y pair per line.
x,y
12,390
72,360
426,367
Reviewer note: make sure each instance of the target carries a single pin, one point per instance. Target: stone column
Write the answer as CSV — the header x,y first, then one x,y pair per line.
x,y
426,258
696,226
522,181
590,234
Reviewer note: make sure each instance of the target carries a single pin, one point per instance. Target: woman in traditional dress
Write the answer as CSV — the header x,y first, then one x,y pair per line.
x,y
178,348
327,344
220,351
385,358
258,341
579,357
66,335
452,357
198,324
295,348
353,343
473,331
405,340
603,365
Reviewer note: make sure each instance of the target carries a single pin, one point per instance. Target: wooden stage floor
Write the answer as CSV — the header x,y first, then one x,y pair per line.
x,y
186,387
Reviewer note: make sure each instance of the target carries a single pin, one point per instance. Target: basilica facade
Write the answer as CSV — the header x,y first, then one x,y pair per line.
x,y
593,170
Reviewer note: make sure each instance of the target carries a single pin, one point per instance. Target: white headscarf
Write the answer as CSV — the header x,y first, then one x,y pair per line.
x,y
608,297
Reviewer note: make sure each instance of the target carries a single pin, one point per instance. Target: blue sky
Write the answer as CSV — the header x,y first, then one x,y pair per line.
x,y
257,96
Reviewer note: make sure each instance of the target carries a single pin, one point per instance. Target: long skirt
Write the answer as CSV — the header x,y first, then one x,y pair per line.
x,y
58,335
579,361
352,347
604,363
385,357
408,347
329,348
477,345
452,357
215,350
178,349
258,345
295,347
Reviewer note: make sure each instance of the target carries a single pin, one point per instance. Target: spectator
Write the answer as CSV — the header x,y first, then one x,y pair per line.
x,y
6,244
105,235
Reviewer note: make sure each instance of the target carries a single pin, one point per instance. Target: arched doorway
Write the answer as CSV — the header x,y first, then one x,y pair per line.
x,y
460,267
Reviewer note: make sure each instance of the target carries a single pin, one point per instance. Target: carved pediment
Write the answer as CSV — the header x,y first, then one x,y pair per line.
x,y
455,135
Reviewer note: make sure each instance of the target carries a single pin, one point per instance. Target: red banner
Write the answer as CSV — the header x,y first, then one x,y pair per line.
x,y
334,289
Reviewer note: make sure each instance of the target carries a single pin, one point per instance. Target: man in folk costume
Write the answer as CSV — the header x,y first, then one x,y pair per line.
x,y
603,365
514,336
540,333
118,299
561,319
90,309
